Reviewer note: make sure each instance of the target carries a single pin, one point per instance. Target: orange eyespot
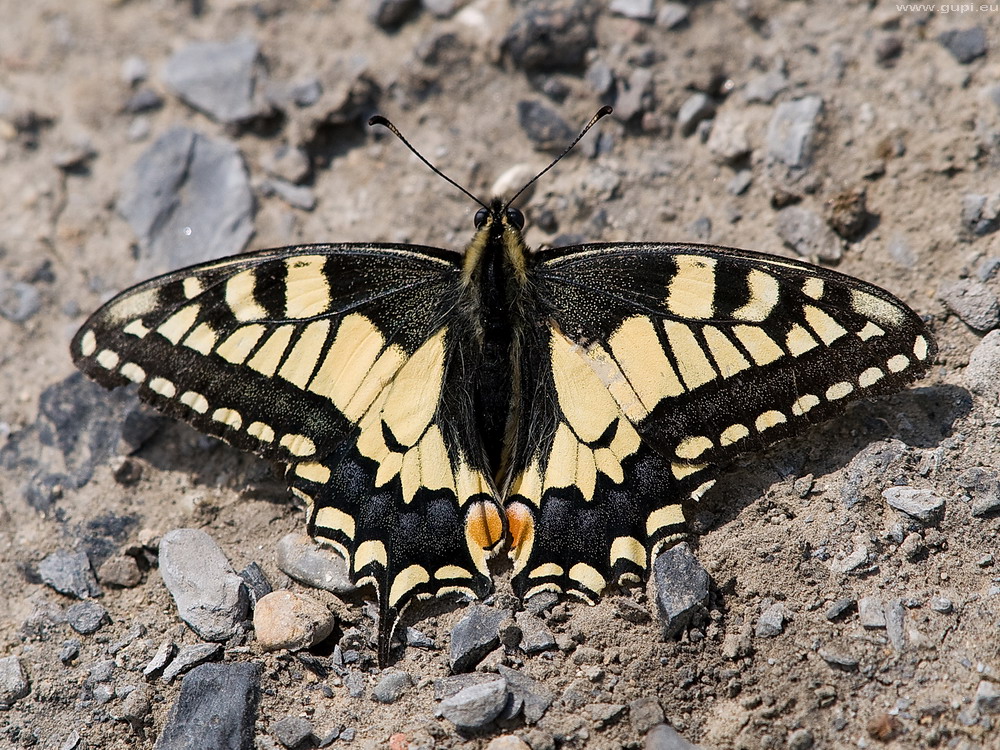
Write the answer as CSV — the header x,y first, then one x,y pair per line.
x,y
484,525
522,531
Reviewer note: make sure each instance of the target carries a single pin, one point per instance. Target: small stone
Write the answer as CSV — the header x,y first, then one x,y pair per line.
x,y
13,681
838,659
922,505
635,95
965,45
508,742
740,182
355,684
988,697
160,659
765,88
791,131
210,597
69,650
135,631
143,100
901,252
475,706
645,713
672,15
551,34
443,8
391,686
418,639
800,739
600,77
870,613
135,709
981,378
980,214
847,213
629,611
695,108
217,78
640,10
120,570
543,125
535,636
541,603
391,14
134,70
771,622
604,714
292,731
808,235
87,617
888,49
285,619
256,582
474,636
69,573
190,656
973,302
534,698
838,608
729,141
665,737
288,163
216,708
681,588
307,92
301,558
895,615
884,727
296,196
942,604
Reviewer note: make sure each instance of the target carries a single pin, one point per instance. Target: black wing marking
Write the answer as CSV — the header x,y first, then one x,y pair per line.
x,y
343,361
686,355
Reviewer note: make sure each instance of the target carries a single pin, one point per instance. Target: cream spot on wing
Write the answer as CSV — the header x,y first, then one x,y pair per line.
x,y
920,348
195,401
88,343
238,345
174,327
628,548
695,369
769,419
870,331
870,377
680,471
301,361
192,287
839,390
163,387
546,570
108,359
733,434
261,431
608,464
813,287
587,577
371,551
728,359
136,328
240,298
268,357
407,579
762,348
348,360
202,339
701,489
691,290
416,391
313,471
335,519
373,383
586,471
529,484
435,465
828,329
561,468
446,572
135,305
133,372
409,474
804,403
877,309
637,349
229,417
583,398
665,517
764,295
693,446
297,445
798,341
307,291
898,363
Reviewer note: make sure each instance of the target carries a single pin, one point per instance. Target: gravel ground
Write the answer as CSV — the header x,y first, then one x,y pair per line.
x,y
842,590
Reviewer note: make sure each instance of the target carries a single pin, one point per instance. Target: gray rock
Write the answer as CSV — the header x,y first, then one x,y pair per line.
x,y
296,196
868,469
791,130
217,78
765,87
101,671
973,302
984,363
923,505
988,697
14,683
307,92
681,588
292,731
135,709
189,657
983,487
288,163
888,49
600,77
475,706
355,684
535,636
256,582
301,558
551,34
604,714
640,10
154,668
808,235
895,616
19,301
534,698
965,45
645,713
740,182
838,608
871,615
942,605
69,573
210,597
390,14
474,636
980,213
418,639
635,94
672,15
541,603
69,650
216,708
838,659
665,737
120,570
544,126
87,617
854,562
391,686
771,622
143,100
695,108
801,739
188,199
134,70
729,141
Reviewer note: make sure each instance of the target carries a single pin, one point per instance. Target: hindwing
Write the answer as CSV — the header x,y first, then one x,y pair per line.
x,y
349,364
653,366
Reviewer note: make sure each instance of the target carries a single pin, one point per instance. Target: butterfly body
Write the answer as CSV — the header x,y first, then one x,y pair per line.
x,y
435,407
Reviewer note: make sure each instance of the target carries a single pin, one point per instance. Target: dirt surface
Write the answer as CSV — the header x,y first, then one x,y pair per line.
x,y
803,526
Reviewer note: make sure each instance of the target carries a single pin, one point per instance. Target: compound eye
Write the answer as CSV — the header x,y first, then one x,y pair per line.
x,y
480,219
515,217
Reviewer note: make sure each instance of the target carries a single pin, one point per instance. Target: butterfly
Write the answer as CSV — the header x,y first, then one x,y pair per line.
x,y
434,408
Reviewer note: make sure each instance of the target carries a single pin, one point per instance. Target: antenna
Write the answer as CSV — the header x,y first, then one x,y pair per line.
x,y
601,113
384,121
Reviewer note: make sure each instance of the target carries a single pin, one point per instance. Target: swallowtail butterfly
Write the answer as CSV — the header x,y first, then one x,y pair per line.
x,y
436,407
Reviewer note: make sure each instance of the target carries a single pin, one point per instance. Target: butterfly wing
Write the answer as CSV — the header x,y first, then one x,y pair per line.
x,y
656,365
349,364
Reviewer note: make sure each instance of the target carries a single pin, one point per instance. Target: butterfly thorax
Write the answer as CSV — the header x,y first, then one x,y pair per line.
x,y
495,281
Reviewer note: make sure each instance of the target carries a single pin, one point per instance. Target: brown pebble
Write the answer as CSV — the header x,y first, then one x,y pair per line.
x,y
847,213
120,570
284,619
507,742
884,727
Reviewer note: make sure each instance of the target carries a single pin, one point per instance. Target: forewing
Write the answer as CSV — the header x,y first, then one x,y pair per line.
x,y
686,355
343,361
